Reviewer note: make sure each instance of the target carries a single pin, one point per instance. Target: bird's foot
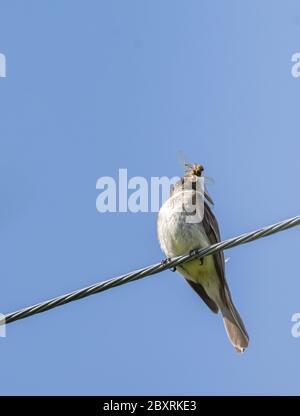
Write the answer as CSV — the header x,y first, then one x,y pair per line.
x,y
195,251
167,261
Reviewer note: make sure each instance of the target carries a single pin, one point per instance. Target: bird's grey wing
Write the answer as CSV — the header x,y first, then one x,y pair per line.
x,y
213,233
211,227
198,288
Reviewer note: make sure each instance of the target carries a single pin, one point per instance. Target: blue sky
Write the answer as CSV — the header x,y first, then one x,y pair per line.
x,y
96,86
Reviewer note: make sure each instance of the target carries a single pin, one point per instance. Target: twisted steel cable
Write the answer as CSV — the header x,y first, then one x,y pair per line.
x,y
150,270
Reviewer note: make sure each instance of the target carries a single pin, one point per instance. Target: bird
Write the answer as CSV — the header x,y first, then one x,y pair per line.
x,y
186,223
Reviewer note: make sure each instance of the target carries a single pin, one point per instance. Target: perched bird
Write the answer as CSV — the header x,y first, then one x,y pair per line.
x,y
185,223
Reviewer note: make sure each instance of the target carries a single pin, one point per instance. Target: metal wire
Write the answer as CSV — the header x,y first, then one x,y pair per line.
x,y
150,270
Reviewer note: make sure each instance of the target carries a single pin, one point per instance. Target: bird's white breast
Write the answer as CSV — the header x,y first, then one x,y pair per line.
x,y
176,235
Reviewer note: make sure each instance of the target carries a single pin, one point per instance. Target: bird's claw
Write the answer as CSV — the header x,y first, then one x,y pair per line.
x,y
167,261
195,251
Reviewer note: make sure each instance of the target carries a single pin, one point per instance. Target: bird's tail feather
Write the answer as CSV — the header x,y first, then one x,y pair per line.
x,y
234,325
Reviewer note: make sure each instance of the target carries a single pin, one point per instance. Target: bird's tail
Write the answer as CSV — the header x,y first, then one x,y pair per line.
x,y
234,325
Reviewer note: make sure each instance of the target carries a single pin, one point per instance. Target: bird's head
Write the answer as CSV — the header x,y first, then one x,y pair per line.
x,y
193,173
